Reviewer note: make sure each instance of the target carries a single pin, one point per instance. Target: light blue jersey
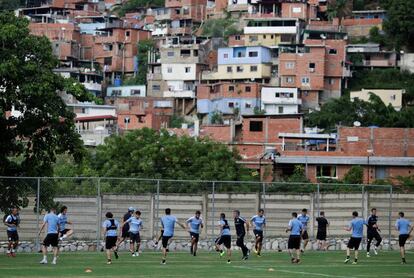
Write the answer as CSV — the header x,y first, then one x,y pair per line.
x,y
226,227
111,226
168,224
12,219
403,226
357,226
304,219
259,222
195,224
63,220
135,224
295,227
52,221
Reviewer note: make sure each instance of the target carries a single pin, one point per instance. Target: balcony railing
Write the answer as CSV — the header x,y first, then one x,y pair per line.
x,y
180,94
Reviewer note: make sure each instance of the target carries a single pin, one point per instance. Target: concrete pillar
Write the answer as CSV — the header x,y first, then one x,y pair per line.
x,y
204,213
152,215
183,106
312,214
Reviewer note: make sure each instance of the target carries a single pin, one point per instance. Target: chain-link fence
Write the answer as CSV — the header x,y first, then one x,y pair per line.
x,y
89,198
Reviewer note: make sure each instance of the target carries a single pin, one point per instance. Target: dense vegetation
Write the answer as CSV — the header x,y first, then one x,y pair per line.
x,y
133,5
144,46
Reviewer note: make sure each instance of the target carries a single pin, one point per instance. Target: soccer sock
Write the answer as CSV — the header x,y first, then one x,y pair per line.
x,y
45,257
347,257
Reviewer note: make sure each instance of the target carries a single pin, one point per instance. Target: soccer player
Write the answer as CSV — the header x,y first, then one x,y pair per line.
x,y
194,224
295,228
258,223
63,221
52,237
323,225
12,222
304,219
357,227
224,238
135,225
110,231
372,232
168,222
125,229
242,226
405,228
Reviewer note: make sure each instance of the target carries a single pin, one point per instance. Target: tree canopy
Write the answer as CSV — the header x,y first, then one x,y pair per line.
x,y
40,126
133,5
220,28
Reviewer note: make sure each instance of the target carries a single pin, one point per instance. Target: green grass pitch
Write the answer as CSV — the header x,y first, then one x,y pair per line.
x,y
314,264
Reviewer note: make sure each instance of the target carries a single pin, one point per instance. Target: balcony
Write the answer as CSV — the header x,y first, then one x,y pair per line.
x,y
179,30
283,101
92,86
270,30
154,76
179,94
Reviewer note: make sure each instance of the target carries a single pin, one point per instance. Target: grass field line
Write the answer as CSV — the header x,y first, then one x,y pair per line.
x,y
297,272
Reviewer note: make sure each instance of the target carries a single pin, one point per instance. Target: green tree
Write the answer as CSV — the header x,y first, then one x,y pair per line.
x,y
399,24
11,4
339,8
220,28
144,47
30,141
355,175
133,5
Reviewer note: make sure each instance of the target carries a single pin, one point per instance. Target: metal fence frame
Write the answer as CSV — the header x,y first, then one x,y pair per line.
x,y
213,185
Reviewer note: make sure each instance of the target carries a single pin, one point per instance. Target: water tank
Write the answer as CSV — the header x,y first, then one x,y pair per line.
x,y
118,82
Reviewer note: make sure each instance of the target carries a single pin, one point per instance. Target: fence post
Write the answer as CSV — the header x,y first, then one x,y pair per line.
x,y
213,208
363,201
38,214
318,199
312,209
264,196
390,218
204,211
157,213
99,211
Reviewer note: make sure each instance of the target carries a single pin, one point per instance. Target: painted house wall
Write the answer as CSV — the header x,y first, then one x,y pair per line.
x,y
229,55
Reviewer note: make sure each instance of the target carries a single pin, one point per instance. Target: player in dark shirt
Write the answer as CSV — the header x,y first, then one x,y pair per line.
x,y
125,227
323,225
373,232
242,226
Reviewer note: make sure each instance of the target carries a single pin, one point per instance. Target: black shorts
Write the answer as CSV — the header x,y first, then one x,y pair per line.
x,y
51,240
125,233
165,240
305,235
12,236
258,234
195,236
64,232
321,235
354,243
402,239
110,242
373,234
134,237
225,240
294,242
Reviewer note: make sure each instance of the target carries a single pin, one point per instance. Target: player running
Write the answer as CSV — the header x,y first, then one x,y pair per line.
x,y
295,228
323,225
224,238
63,221
110,232
52,237
12,222
357,227
373,232
405,228
135,226
168,222
304,219
194,224
258,223
125,229
242,227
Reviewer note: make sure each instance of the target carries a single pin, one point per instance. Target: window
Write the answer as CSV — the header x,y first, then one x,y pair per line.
x,y
253,68
237,37
253,39
332,51
127,33
107,47
264,36
289,80
312,67
248,105
187,69
291,95
116,93
290,65
305,80
256,126
280,109
185,52
239,69
195,52
277,95
169,69
393,97
248,89
253,54
331,81
229,69
225,55
156,87
135,92
231,104
170,53
272,36
231,88
108,61
326,171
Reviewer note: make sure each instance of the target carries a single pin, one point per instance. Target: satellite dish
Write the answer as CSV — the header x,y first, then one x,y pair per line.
x,y
357,124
